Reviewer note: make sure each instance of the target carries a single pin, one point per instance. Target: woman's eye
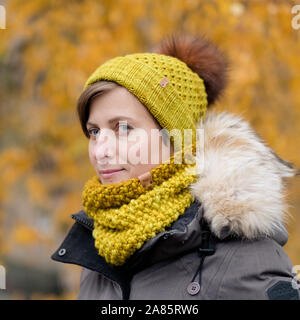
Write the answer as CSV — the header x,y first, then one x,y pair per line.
x,y
93,132
123,127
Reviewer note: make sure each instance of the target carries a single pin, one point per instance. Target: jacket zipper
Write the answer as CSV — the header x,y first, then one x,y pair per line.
x,y
83,221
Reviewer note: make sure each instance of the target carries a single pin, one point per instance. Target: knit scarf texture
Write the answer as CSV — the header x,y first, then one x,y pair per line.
x,y
127,214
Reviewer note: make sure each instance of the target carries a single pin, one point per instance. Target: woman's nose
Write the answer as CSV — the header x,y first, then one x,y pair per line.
x,y
105,146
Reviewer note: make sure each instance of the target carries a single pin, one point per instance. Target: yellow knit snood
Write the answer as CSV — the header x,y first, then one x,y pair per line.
x,y
128,214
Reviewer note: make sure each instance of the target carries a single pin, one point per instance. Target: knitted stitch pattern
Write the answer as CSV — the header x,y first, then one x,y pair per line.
x,y
128,214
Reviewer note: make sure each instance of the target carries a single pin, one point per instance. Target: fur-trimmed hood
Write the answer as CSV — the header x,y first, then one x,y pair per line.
x,y
241,180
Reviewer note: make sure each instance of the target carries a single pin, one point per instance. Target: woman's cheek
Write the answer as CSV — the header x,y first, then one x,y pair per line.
x,y
154,149
92,154
122,152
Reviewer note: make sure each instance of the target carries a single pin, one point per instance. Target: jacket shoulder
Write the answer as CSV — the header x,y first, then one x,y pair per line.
x,y
95,286
258,270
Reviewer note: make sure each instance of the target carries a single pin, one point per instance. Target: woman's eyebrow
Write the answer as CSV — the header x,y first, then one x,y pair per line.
x,y
91,123
113,120
120,118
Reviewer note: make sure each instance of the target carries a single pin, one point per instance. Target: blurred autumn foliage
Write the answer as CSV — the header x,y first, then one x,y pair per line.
x,y
48,50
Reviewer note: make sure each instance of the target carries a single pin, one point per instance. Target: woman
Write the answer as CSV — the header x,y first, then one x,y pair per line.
x,y
212,228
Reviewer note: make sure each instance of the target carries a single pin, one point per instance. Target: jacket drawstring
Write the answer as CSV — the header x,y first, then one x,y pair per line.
x,y
207,248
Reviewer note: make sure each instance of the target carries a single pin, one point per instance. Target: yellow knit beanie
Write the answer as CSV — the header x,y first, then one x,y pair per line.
x,y
173,93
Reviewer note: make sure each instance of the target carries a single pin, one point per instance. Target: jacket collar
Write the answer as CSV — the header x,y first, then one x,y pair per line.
x,y
182,236
78,247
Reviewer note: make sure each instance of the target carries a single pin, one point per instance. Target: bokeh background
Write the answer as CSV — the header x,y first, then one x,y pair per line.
x,y
48,50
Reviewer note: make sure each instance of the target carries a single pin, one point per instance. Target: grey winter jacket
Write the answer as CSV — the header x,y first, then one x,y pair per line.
x,y
227,245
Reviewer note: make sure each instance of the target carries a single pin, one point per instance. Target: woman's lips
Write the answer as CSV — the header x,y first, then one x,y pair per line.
x,y
110,173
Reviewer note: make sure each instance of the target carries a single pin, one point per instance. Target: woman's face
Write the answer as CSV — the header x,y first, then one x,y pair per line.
x,y
122,137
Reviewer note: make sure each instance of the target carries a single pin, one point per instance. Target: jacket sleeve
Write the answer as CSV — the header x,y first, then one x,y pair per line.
x,y
259,270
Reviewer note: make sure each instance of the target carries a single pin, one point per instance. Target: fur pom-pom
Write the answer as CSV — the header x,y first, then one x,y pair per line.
x,y
203,57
